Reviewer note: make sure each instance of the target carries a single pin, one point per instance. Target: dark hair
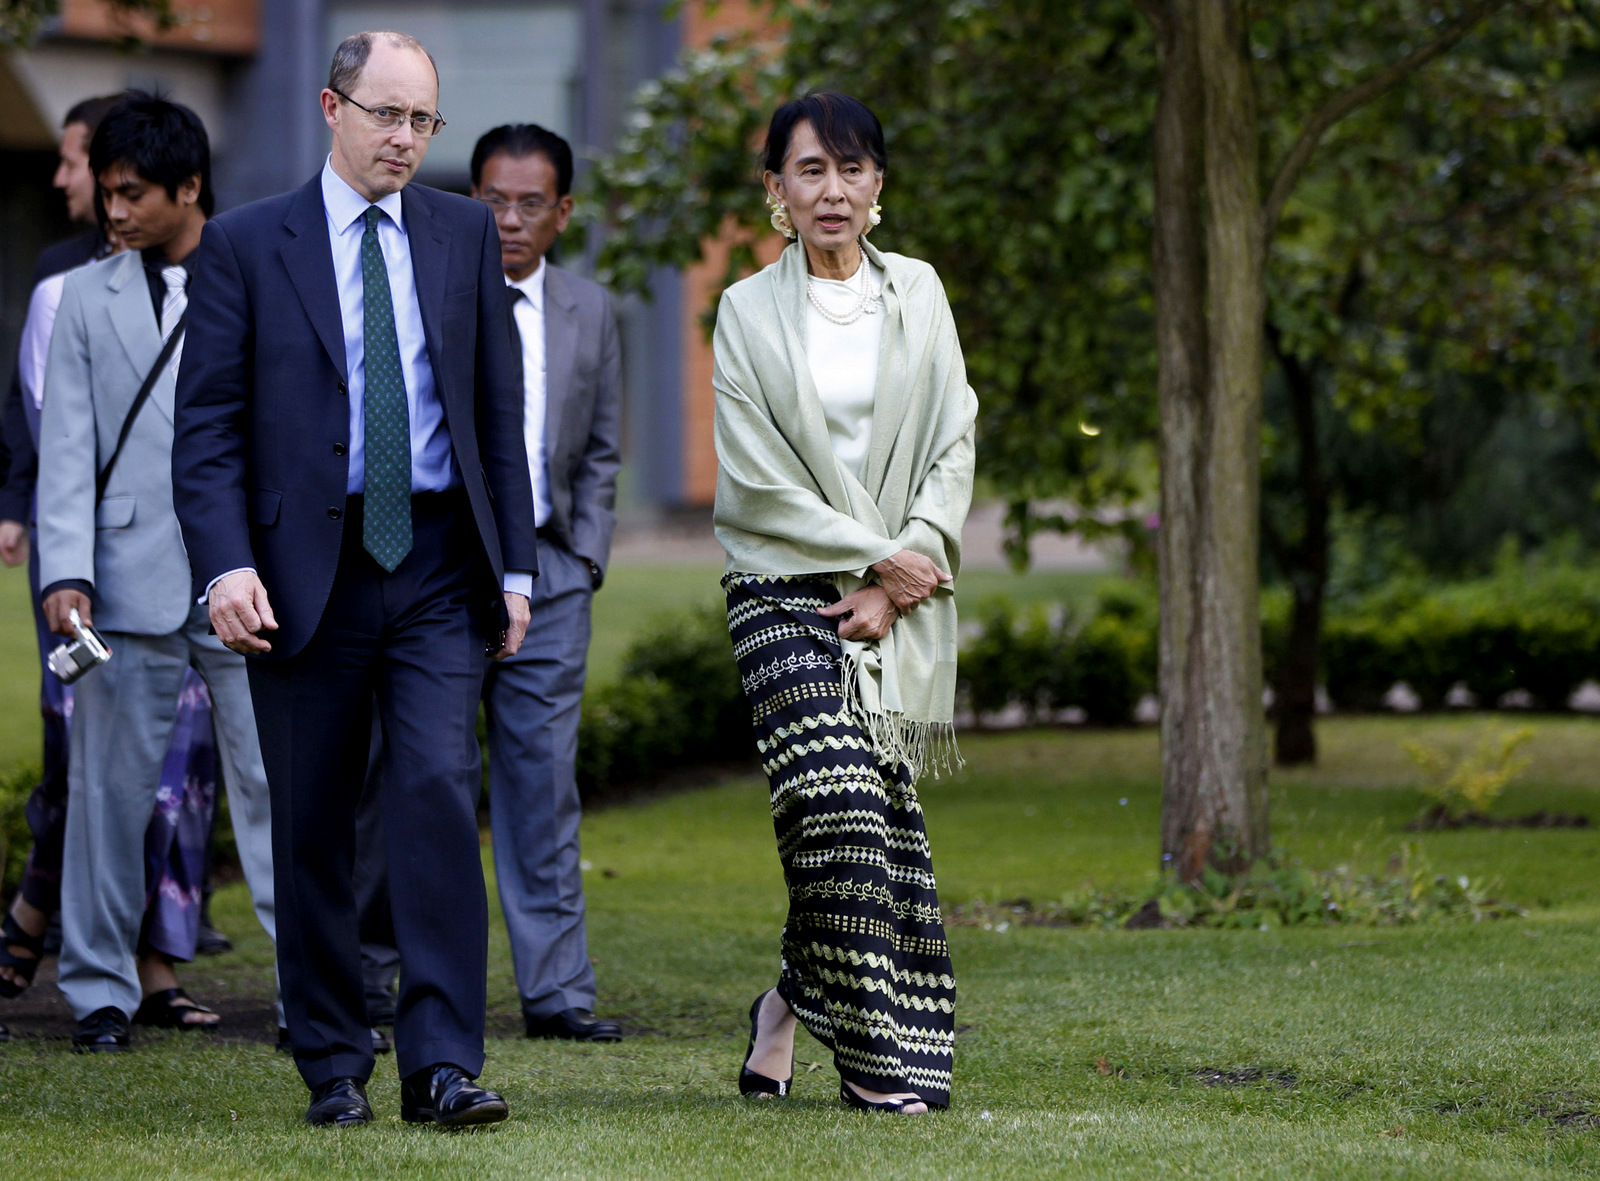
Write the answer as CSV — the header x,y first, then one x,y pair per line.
x,y
162,141
90,111
525,139
846,126
350,57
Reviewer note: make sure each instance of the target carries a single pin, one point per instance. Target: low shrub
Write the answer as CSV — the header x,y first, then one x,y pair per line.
x,y
1101,660
1275,892
677,703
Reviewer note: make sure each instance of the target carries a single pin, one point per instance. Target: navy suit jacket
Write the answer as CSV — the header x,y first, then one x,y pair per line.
x,y
260,459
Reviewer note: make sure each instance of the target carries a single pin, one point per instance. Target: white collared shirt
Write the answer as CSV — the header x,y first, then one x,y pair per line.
x,y
432,464
34,350
529,315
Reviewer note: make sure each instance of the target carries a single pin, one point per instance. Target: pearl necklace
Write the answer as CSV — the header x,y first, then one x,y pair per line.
x,y
866,299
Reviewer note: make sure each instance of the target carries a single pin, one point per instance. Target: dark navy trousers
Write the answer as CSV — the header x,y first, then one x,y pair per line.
x,y
407,643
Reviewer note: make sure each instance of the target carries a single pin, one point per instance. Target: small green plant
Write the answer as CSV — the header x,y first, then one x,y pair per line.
x,y
1461,784
1275,892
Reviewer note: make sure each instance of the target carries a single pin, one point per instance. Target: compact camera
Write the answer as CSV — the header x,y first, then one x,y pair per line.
x,y
88,651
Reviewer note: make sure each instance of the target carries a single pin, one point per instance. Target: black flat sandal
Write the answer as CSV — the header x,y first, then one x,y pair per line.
x,y
759,1086
851,1099
12,935
162,1011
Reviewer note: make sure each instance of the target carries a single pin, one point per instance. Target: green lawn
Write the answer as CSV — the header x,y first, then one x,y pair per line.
x,y
1439,1051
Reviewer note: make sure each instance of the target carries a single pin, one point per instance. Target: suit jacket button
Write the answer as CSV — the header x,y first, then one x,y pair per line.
x,y
343,389
334,514
338,448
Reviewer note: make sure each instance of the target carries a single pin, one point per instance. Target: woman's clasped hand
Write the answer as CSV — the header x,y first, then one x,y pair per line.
x,y
907,578
866,614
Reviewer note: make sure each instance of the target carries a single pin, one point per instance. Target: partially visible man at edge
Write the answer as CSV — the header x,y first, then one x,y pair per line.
x,y
349,443
39,894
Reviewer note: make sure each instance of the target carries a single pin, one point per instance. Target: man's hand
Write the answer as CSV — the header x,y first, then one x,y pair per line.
x,y
58,611
13,543
866,614
909,578
240,612
517,609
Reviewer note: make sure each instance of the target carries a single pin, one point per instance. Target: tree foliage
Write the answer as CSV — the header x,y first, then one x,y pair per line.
x,y
20,19
1020,166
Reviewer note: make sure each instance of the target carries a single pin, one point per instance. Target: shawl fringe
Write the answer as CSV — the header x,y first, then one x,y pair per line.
x,y
921,746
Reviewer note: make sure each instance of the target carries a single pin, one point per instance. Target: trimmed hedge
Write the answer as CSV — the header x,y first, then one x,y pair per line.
x,y
1534,628
1537,631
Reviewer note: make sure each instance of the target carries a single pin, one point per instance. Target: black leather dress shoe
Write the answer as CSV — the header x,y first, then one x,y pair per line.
x,y
575,1025
105,1031
446,1095
341,1103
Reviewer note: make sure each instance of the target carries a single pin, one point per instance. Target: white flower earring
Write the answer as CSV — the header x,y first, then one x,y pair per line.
x,y
874,217
780,218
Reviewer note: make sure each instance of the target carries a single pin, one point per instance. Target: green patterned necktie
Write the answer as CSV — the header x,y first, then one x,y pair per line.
x,y
386,531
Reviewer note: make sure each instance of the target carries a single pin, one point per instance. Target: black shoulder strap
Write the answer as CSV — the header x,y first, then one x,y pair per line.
x,y
139,400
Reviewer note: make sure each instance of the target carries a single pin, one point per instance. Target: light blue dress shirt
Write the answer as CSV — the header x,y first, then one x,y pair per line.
x,y
432,465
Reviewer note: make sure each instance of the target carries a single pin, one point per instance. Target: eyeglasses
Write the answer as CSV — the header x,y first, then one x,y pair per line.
x,y
388,118
526,210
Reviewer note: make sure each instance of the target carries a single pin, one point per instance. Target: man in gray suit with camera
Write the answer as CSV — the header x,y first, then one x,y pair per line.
x,y
572,423
111,550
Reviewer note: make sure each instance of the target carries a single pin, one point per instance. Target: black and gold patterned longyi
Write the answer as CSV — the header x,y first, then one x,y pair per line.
x,y
865,964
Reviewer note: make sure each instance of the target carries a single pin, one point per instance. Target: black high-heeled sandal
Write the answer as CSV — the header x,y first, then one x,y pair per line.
x,y
751,1084
12,935
851,1099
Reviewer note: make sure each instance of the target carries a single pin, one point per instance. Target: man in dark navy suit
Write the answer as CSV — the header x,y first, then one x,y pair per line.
x,y
353,485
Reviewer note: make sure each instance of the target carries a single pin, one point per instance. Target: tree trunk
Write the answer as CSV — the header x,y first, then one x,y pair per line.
x,y
1214,805
1305,565
1209,332
1179,283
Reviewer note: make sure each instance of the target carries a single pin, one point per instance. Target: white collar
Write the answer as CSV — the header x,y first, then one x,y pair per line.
x,y
345,205
532,287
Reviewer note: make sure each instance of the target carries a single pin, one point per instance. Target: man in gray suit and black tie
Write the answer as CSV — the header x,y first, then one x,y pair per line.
x,y
110,549
572,423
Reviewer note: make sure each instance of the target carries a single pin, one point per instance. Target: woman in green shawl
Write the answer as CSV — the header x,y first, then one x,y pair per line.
x,y
844,430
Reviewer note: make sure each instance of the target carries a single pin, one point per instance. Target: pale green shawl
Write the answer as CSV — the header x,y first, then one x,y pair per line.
x,y
785,505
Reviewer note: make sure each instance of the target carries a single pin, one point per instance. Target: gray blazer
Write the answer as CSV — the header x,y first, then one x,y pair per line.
x,y
583,413
131,551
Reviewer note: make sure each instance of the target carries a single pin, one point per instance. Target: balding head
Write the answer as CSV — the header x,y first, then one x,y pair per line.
x,y
350,58
382,89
